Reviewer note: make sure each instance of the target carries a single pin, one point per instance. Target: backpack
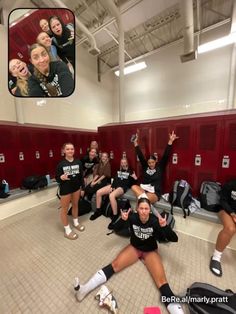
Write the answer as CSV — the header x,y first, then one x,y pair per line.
x,y
106,207
122,203
121,227
84,207
210,196
34,182
214,300
181,196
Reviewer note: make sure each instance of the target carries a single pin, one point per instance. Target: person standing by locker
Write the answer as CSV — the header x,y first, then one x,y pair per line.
x,y
69,175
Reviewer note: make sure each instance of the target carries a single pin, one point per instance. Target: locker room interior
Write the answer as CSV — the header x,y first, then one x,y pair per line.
x,y
196,98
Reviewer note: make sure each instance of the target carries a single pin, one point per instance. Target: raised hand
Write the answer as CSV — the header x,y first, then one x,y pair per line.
x,y
162,220
172,137
133,175
125,214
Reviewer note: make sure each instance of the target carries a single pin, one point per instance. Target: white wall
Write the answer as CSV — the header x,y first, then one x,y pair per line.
x,y
7,105
89,106
168,87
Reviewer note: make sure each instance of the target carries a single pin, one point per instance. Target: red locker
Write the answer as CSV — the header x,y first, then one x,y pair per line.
x,y
206,163
182,155
227,159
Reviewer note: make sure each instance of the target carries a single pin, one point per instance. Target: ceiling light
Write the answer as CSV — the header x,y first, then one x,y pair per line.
x,y
132,68
218,43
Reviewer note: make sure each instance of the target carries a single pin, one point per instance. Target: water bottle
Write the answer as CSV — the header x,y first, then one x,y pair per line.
x,y
48,178
6,189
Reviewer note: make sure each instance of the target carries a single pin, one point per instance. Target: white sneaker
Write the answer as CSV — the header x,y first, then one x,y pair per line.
x,y
106,299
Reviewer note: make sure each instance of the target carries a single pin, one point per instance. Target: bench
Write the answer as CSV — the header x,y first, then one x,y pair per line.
x,y
21,200
201,224
163,205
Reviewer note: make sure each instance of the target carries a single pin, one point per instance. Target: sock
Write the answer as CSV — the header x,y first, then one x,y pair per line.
x,y
217,257
67,229
76,222
143,195
108,271
98,279
166,292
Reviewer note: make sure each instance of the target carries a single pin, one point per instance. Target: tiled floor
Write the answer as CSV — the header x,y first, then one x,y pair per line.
x,y
38,265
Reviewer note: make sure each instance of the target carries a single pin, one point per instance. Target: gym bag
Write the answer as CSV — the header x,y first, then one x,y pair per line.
x,y
181,196
121,227
210,196
34,182
84,207
203,298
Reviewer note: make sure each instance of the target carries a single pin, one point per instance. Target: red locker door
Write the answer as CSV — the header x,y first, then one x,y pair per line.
x,y
145,140
182,155
128,147
228,156
9,148
208,151
161,132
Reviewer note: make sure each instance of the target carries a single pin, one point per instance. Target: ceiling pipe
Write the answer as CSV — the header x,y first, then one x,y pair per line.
x,y
93,50
188,31
115,11
232,74
111,21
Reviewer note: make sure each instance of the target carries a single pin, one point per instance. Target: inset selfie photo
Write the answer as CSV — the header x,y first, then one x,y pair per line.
x,y
41,52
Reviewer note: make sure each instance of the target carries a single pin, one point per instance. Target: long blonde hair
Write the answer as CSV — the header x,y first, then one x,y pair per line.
x,y
23,86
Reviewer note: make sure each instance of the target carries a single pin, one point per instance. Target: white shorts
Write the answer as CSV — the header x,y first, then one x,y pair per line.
x,y
148,188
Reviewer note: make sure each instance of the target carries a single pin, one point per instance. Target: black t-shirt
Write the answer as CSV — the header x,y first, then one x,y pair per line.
x,y
88,164
143,235
228,197
59,76
154,176
11,81
123,179
74,170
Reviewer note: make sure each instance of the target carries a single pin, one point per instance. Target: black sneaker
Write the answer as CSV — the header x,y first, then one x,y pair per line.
x,y
111,225
95,215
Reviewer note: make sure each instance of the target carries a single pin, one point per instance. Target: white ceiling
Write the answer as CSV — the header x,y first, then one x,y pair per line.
x,y
148,24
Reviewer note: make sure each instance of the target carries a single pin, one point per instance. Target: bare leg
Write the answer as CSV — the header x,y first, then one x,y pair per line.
x,y
113,196
126,257
153,198
65,202
75,203
154,265
228,231
138,191
75,210
103,191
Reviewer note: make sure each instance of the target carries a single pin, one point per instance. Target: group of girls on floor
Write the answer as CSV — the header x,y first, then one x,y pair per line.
x,y
50,72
